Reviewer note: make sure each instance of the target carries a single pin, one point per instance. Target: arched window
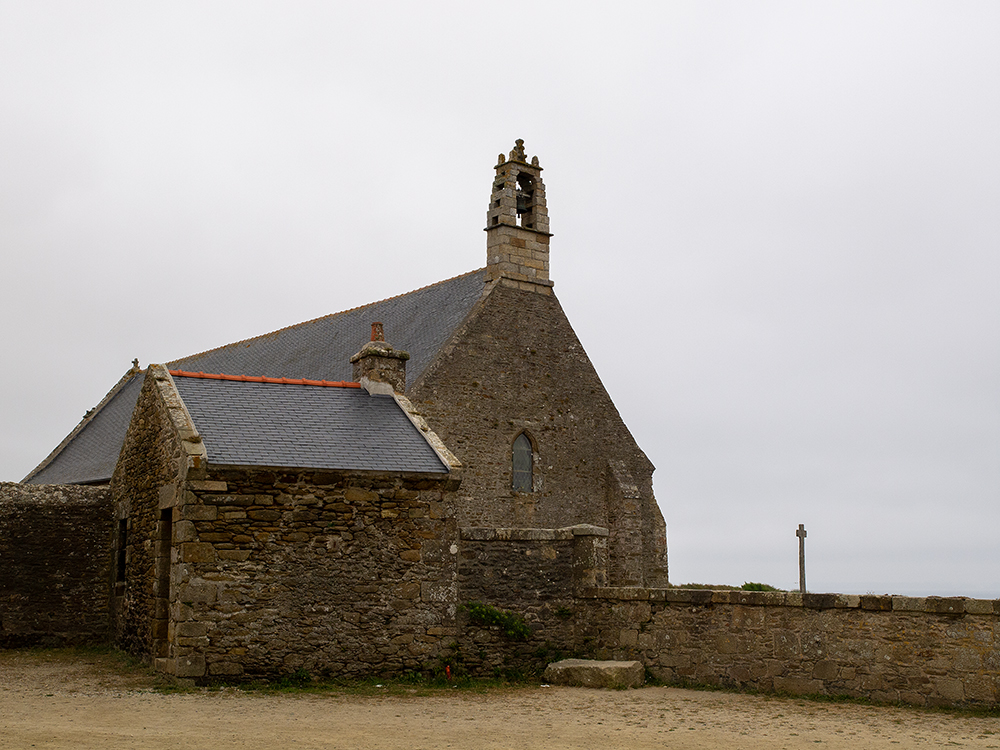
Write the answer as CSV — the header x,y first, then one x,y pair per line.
x,y
522,464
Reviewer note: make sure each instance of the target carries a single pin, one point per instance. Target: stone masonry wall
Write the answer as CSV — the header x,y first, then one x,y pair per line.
x,y
534,574
520,255
53,564
923,651
516,366
334,573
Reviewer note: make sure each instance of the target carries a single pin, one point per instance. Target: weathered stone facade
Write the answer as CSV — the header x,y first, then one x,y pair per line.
x,y
342,574
233,572
923,651
334,573
516,366
53,564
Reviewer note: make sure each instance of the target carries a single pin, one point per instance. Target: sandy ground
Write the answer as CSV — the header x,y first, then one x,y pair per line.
x,y
58,700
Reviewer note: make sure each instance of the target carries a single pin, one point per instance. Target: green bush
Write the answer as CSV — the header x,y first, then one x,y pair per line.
x,y
510,624
750,586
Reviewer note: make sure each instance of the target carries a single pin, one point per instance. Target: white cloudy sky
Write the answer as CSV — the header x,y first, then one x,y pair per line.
x,y
790,209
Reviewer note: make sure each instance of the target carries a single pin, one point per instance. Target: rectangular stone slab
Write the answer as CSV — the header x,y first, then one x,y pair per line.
x,y
598,674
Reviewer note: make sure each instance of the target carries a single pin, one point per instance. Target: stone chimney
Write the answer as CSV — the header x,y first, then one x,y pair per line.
x,y
517,225
378,367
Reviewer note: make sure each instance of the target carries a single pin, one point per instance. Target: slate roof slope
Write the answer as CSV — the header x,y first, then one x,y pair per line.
x,y
419,322
304,426
88,455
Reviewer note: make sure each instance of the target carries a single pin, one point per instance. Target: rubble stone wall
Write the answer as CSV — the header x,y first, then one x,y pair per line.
x,y
53,564
331,573
922,651
516,366
524,572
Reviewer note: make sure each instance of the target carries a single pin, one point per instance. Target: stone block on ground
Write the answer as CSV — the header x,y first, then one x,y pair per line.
x,y
598,674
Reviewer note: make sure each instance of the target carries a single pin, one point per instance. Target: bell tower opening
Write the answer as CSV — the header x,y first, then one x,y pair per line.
x,y
525,194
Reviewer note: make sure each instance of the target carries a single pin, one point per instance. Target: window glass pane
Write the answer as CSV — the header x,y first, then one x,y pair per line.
x,y
522,464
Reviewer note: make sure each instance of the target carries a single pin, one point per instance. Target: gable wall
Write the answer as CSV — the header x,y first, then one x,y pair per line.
x,y
53,564
150,463
516,365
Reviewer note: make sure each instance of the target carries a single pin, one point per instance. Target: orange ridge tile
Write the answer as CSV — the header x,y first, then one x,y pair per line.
x,y
264,379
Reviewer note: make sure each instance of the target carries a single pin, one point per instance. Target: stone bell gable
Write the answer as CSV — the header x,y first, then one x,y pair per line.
x,y
515,396
517,224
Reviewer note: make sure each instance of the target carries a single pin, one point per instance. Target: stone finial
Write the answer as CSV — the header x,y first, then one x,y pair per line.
x,y
518,153
501,159
378,366
135,365
534,161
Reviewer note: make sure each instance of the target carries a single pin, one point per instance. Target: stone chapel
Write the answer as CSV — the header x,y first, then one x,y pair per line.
x,y
319,491
437,484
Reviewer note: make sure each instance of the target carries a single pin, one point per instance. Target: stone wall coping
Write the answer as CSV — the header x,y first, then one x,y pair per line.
x,y
940,605
586,529
17,494
489,534
196,456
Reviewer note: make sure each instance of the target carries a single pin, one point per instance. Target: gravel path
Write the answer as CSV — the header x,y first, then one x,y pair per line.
x,y
58,700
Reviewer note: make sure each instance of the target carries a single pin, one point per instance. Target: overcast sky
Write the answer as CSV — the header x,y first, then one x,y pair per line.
x,y
792,209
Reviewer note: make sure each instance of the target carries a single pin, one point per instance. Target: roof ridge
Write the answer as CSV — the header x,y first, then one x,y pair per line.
x,y
323,317
264,379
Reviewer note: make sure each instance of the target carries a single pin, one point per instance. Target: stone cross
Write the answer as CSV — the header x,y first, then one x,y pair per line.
x,y
801,534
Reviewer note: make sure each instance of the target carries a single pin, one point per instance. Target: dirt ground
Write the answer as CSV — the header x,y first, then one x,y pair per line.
x,y
60,700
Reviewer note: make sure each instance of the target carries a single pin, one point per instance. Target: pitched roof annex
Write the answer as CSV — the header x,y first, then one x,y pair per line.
x,y
266,422
419,322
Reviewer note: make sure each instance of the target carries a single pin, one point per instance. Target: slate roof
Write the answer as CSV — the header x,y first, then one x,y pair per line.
x,y
419,322
88,454
320,427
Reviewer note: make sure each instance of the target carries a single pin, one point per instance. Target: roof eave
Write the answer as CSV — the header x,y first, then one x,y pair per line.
x,y
445,477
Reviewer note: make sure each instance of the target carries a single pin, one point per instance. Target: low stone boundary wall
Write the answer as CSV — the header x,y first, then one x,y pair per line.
x,y
926,651
404,596
54,564
922,651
